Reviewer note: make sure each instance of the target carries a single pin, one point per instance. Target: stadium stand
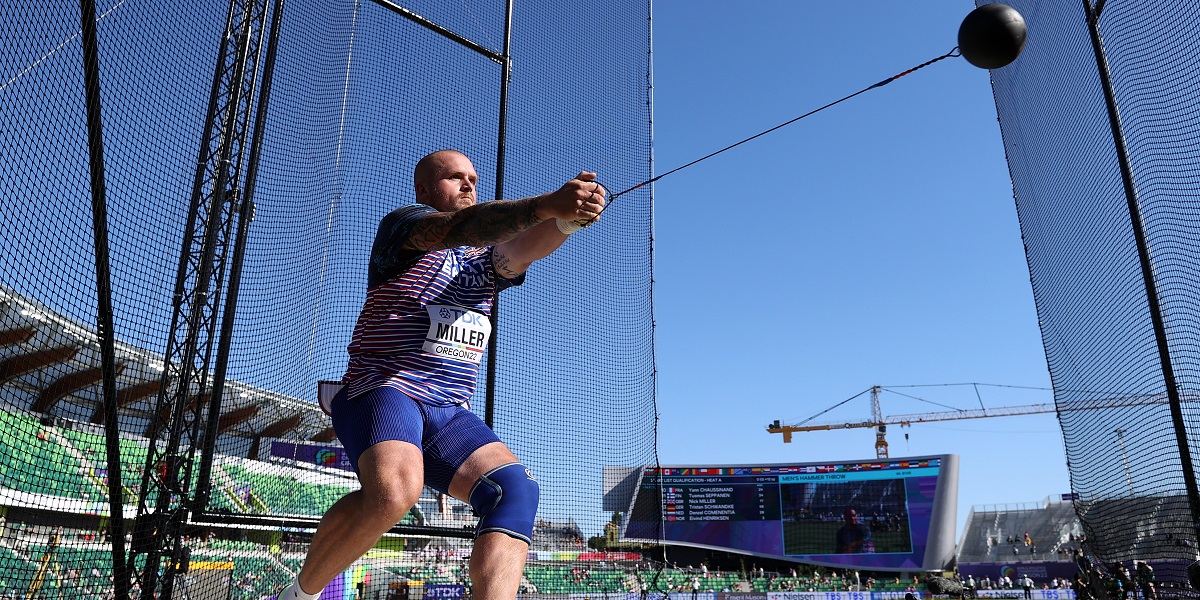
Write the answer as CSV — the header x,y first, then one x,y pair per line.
x,y
28,441
17,572
72,465
260,568
551,535
283,495
993,531
1156,519
574,579
42,328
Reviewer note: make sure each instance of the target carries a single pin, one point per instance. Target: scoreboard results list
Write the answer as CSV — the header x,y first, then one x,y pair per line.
x,y
802,512
719,497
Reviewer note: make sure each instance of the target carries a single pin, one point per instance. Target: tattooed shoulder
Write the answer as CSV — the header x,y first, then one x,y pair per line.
x,y
427,233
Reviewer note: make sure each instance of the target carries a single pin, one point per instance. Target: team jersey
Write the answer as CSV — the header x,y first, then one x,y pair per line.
x,y
426,320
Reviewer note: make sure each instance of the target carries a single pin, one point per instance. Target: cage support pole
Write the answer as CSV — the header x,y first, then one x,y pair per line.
x,y
489,411
104,305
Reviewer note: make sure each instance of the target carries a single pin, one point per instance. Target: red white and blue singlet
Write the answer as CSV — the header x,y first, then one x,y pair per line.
x,y
426,320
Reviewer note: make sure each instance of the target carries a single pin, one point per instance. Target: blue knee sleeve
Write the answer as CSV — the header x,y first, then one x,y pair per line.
x,y
506,500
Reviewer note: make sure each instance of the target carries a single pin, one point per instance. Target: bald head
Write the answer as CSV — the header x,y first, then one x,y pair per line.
x,y
445,180
427,167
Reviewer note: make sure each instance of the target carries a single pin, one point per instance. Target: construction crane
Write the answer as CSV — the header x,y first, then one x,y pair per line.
x,y
880,423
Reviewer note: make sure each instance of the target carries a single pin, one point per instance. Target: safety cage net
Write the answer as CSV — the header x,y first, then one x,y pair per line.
x,y
1125,386
248,153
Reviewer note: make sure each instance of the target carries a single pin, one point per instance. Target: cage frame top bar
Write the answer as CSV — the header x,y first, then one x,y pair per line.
x,y
434,27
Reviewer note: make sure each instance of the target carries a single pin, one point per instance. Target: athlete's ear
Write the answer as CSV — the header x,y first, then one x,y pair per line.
x,y
422,192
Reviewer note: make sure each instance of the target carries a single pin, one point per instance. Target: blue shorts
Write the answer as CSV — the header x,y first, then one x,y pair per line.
x,y
447,436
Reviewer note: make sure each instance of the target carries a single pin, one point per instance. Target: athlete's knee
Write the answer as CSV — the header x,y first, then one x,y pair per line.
x,y
388,501
386,508
506,499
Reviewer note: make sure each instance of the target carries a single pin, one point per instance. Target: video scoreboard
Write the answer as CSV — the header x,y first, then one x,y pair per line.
x,y
893,514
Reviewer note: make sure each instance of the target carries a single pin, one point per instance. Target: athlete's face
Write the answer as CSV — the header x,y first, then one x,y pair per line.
x,y
451,183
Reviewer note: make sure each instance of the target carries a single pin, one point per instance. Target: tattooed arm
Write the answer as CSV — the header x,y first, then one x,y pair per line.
x,y
522,231
513,257
484,224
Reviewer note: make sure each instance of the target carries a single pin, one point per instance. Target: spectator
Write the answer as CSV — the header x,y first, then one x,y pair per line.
x,y
1082,592
1124,581
1145,580
1098,583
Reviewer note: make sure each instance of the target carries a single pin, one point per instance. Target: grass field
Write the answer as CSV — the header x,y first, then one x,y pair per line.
x,y
815,537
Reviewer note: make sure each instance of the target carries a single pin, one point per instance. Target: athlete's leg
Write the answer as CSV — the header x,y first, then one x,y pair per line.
x,y
381,431
466,459
392,477
498,559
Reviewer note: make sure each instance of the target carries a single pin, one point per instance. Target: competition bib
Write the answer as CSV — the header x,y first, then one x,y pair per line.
x,y
456,333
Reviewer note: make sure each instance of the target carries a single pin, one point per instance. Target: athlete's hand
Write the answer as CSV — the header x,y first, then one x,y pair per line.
x,y
580,199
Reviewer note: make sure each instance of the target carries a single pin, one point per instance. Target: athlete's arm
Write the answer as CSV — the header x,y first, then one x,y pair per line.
x,y
513,257
498,221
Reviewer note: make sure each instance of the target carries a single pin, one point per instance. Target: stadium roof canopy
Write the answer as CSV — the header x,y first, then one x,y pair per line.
x,y
50,364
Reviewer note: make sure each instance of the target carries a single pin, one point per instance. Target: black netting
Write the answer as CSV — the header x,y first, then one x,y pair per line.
x,y
359,92
1121,444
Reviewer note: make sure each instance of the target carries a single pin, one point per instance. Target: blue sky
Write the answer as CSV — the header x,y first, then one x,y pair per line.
x,y
875,243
